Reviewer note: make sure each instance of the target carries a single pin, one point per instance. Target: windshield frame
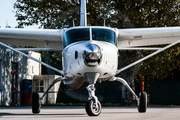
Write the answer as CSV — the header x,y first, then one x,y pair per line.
x,y
76,35
106,35
111,31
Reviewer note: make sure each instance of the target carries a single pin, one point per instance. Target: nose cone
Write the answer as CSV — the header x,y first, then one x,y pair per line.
x,y
92,54
92,48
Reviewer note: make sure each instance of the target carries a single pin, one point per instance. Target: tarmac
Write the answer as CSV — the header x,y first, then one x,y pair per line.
x,y
78,113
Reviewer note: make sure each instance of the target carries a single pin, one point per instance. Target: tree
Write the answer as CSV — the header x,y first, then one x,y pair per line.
x,y
19,26
47,13
7,26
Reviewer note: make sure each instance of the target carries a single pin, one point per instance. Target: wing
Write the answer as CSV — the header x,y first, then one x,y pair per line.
x,y
147,36
32,37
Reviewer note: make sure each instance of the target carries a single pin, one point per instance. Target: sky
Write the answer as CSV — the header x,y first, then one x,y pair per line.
x,y
8,16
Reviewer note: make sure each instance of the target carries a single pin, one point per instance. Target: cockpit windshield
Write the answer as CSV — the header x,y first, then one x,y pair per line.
x,y
106,35
83,34
75,35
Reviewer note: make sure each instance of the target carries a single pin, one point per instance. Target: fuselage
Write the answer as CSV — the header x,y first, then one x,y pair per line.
x,y
89,50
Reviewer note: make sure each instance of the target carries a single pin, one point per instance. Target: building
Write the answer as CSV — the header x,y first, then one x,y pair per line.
x,y
14,68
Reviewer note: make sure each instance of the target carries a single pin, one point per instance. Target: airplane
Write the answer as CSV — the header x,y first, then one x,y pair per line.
x,y
90,54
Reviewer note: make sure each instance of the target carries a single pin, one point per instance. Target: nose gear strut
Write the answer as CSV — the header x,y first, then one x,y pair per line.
x,y
93,106
91,90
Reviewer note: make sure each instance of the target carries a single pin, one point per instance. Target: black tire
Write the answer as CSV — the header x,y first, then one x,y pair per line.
x,y
91,110
36,106
142,102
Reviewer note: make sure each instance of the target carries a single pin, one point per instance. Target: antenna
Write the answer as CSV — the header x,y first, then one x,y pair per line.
x,y
104,21
73,23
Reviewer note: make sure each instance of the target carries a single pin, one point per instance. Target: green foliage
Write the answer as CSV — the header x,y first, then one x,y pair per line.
x,y
47,13
19,26
150,13
162,65
52,58
118,13
7,26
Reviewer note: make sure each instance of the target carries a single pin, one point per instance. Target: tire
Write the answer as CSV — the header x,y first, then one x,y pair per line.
x,y
142,102
90,108
35,103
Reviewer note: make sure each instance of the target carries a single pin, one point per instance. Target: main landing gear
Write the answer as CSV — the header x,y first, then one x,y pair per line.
x,y
141,100
36,104
36,101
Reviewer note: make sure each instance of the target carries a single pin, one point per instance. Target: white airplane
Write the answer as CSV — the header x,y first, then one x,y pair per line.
x,y
90,54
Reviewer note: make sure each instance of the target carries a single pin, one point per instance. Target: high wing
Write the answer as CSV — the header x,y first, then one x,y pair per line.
x,y
147,36
50,38
129,38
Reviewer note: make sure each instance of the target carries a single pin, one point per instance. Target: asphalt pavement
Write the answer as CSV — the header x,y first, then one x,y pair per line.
x,y
78,113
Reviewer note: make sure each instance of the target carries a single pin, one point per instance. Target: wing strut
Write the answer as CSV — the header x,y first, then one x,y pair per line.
x,y
148,56
55,69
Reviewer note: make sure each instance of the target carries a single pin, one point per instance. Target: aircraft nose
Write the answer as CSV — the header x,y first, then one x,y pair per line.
x,y
92,55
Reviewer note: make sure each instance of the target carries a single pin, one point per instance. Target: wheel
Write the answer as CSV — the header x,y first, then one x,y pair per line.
x,y
91,109
142,102
36,106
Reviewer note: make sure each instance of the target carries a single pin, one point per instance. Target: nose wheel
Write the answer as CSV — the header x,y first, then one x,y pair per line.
x,y
93,108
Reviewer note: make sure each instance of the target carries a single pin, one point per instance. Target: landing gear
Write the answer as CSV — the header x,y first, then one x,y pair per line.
x,y
93,109
36,106
36,101
93,106
142,102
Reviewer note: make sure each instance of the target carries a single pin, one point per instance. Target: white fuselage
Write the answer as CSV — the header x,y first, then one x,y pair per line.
x,y
74,63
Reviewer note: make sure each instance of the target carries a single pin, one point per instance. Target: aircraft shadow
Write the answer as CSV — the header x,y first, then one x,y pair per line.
x,y
25,114
118,112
